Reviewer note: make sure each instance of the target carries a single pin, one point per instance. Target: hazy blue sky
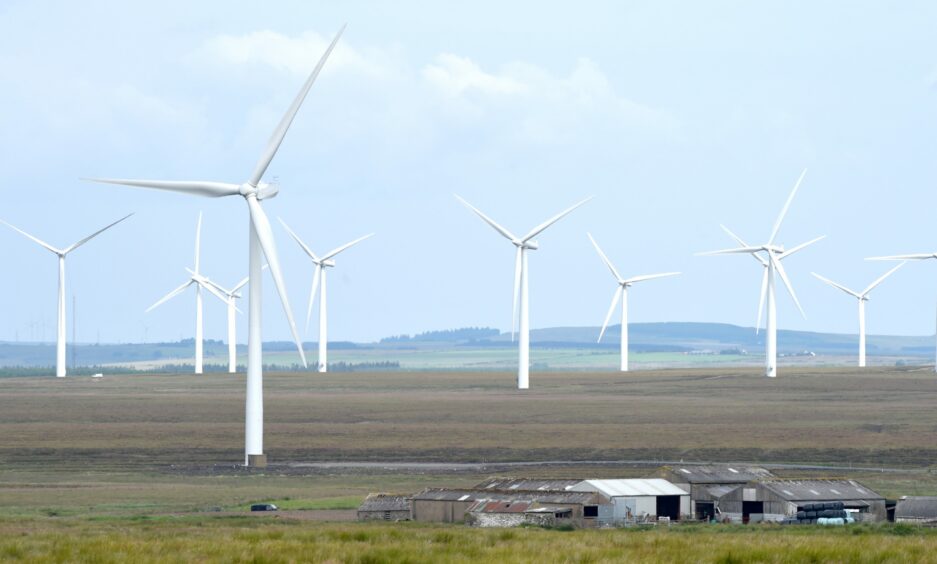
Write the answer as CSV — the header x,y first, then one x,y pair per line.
x,y
677,116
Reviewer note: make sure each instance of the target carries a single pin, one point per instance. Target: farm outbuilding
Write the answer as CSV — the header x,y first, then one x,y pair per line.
x,y
774,500
513,514
916,509
384,507
638,500
707,484
451,506
528,484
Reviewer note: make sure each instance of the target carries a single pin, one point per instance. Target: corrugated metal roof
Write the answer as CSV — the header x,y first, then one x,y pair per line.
x,y
630,488
528,484
916,507
719,491
500,507
820,490
718,474
441,494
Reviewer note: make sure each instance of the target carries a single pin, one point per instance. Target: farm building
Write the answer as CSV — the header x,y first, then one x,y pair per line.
x,y
773,500
384,507
527,484
918,510
512,514
450,506
637,500
708,484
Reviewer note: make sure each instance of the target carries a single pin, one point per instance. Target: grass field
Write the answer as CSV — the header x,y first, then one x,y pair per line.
x,y
156,457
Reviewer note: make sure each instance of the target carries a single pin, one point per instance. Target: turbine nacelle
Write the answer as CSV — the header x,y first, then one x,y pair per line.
x,y
530,245
327,263
263,190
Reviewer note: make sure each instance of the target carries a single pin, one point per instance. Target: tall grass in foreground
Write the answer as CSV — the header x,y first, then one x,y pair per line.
x,y
272,540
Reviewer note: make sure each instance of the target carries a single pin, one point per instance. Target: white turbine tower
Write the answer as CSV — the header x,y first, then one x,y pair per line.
x,y
523,244
771,262
863,297
229,297
262,245
919,256
200,282
318,281
622,294
60,364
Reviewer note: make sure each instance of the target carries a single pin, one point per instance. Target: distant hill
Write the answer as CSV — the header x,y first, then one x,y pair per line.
x,y
644,337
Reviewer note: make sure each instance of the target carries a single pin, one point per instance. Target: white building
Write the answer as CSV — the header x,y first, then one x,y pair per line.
x,y
638,500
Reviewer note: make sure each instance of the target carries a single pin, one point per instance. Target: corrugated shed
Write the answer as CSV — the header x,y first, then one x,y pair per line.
x,y
718,474
500,507
527,484
823,490
630,488
917,507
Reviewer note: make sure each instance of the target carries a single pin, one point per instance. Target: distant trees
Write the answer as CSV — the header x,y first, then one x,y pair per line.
x,y
447,335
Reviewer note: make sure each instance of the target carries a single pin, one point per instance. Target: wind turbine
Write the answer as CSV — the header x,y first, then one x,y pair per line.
x,y
523,244
200,282
318,281
261,245
229,297
771,261
622,294
863,297
60,364
919,256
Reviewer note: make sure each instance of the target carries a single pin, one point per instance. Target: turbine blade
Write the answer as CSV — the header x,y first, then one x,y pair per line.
x,y
921,256
93,235
240,284
265,236
280,132
787,284
197,187
169,296
611,310
800,247
539,229
761,299
296,238
34,239
649,277
504,232
198,240
787,205
205,283
517,289
839,286
204,280
881,279
334,252
317,273
604,258
731,251
743,244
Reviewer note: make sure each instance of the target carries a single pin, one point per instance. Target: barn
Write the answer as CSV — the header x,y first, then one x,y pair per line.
x,y
707,484
774,500
512,514
442,505
916,509
637,500
384,507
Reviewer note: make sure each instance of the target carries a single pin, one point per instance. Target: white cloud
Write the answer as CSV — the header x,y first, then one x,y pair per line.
x,y
296,55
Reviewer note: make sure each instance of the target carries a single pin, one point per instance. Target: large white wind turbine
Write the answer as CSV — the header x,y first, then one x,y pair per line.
x,y
318,281
771,261
229,297
863,297
262,245
918,256
60,369
523,244
200,282
622,294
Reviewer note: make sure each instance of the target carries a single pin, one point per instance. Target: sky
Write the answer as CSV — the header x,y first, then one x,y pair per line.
x,y
677,117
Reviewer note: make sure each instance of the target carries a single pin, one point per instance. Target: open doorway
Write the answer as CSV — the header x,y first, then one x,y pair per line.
x,y
668,506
